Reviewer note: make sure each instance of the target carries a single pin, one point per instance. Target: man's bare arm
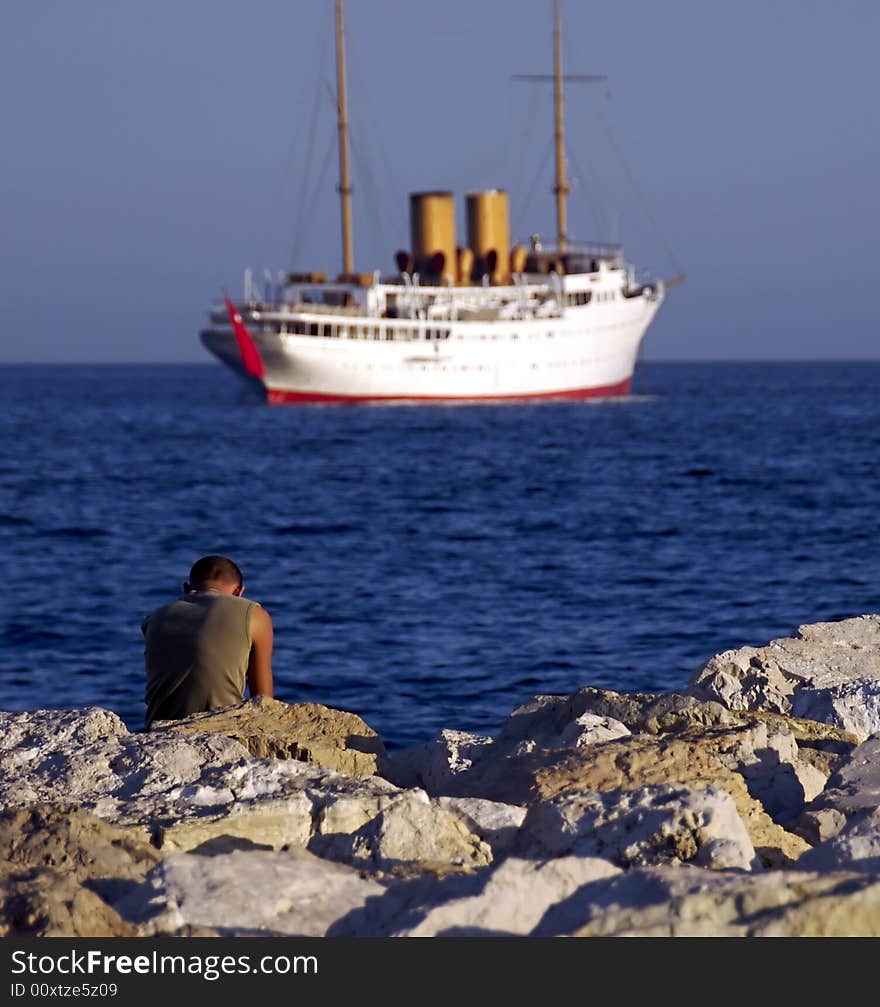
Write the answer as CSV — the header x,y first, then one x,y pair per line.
x,y
259,674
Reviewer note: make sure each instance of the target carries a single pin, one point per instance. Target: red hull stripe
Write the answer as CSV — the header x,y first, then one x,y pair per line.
x,y
277,396
250,355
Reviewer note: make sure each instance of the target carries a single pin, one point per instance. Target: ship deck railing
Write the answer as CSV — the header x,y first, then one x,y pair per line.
x,y
290,315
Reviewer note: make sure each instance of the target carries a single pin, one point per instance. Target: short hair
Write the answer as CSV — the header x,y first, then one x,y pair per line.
x,y
215,568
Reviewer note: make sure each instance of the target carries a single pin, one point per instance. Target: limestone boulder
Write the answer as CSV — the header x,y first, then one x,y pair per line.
x,y
285,804
673,713
495,823
650,713
74,841
29,735
268,803
809,734
796,760
687,901
411,830
856,847
827,672
310,732
270,893
696,759
553,723
59,756
511,902
651,825
711,758
748,678
770,762
588,729
435,764
542,721
825,763
240,893
849,793
178,790
47,902
542,724
535,724
509,898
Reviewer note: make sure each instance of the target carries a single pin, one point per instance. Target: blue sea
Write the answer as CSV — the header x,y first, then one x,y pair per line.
x,y
431,567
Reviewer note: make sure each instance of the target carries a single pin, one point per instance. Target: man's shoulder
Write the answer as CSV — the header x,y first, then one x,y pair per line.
x,y
158,613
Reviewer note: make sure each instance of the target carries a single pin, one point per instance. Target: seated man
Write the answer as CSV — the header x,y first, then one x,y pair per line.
x,y
202,648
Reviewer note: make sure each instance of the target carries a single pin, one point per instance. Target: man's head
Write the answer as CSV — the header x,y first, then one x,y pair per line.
x,y
217,573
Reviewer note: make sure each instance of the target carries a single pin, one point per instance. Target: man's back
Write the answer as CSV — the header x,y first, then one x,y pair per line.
x,y
197,650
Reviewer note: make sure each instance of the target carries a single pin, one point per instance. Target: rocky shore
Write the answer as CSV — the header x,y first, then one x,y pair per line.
x,y
747,805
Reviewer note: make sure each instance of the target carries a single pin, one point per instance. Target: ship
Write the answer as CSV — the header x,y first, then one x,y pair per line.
x,y
484,320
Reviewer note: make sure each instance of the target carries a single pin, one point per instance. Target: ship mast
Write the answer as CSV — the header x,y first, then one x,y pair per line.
x,y
561,187
342,119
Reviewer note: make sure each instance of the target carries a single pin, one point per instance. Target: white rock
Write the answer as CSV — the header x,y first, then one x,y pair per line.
x,y
70,763
273,823
549,723
650,825
516,896
686,901
774,771
435,764
36,732
850,793
276,803
348,812
588,729
339,803
292,893
855,786
532,725
183,791
494,822
410,830
856,848
829,672
206,797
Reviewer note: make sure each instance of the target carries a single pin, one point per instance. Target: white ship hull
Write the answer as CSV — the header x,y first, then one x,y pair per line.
x,y
590,351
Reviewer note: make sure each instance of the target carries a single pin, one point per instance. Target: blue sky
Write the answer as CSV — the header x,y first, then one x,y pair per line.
x,y
153,150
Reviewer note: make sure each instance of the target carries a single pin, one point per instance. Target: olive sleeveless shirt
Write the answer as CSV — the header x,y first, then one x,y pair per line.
x,y
196,652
